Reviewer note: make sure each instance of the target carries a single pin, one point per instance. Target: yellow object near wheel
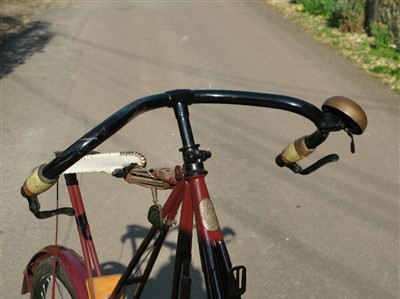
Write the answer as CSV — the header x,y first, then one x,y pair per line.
x,y
102,287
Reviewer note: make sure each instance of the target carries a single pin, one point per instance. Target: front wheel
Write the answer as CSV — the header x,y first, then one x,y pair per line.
x,y
43,281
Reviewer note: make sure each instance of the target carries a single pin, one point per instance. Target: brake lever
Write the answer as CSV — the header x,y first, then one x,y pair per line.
x,y
296,168
34,207
352,143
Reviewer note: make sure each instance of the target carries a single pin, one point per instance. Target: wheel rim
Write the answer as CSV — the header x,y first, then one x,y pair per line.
x,y
61,291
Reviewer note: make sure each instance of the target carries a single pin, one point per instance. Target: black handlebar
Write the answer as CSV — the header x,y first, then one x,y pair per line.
x,y
326,121
119,119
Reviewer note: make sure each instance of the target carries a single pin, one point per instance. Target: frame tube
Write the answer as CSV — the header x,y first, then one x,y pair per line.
x,y
211,243
85,235
181,285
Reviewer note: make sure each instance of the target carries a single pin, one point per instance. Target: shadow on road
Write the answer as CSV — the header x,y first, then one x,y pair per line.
x,y
17,48
159,286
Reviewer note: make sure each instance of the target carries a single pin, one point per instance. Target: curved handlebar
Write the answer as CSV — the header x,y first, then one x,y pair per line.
x,y
326,121
352,119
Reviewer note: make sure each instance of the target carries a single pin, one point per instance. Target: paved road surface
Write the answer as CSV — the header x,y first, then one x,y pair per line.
x,y
334,234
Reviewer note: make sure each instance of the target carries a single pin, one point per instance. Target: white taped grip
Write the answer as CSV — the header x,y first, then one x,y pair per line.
x,y
36,183
296,151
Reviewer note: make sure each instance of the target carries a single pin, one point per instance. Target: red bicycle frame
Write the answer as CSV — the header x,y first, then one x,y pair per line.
x,y
221,279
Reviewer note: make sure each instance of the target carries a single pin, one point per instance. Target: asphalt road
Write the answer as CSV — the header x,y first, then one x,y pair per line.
x,y
333,234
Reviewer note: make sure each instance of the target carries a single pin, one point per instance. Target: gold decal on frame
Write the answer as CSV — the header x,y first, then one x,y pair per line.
x,y
208,216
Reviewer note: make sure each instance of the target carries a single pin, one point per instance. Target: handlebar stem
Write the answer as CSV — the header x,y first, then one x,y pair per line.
x,y
193,157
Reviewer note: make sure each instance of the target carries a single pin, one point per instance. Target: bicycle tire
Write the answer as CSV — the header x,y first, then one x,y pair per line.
x,y
43,281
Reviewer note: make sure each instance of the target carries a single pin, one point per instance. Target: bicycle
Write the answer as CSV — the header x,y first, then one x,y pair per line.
x,y
57,268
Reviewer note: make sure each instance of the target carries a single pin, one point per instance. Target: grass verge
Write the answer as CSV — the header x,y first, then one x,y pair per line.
x,y
358,47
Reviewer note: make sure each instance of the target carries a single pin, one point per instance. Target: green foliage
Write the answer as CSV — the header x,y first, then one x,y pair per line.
x,y
318,7
388,52
349,15
383,69
382,35
379,53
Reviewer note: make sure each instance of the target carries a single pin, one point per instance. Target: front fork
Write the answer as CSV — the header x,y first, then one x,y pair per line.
x,y
221,279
